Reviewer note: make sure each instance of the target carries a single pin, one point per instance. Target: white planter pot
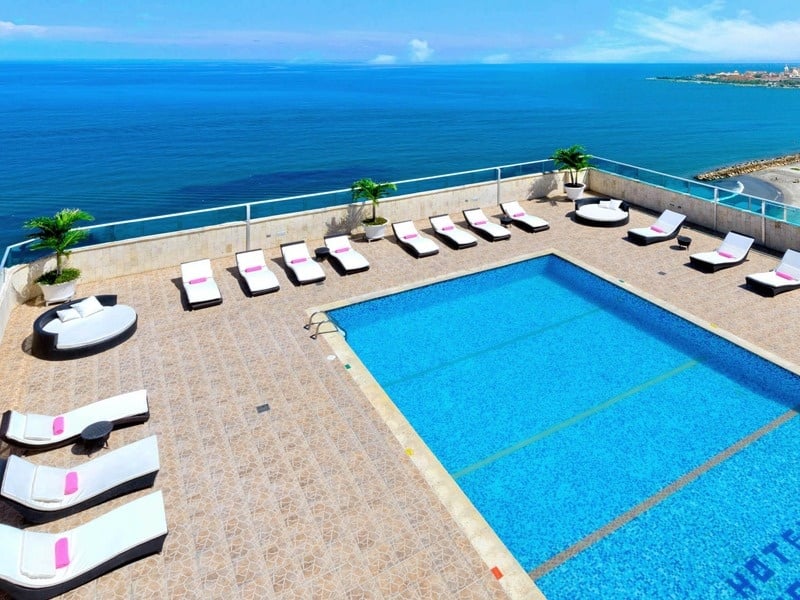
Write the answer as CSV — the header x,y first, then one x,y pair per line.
x,y
60,292
374,232
574,191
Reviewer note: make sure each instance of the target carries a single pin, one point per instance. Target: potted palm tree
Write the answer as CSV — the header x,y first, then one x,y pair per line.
x,y
366,189
574,159
58,234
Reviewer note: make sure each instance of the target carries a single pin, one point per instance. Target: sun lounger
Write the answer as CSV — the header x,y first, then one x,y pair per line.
x,y
42,493
40,432
408,237
198,282
453,236
785,277
343,254
480,223
36,565
255,273
519,217
733,251
666,227
300,264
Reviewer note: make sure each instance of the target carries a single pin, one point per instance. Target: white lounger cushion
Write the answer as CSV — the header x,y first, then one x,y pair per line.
x,y
786,274
253,269
198,281
407,233
298,260
478,220
41,427
732,250
516,212
28,557
443,225
342,251
43,487
665,225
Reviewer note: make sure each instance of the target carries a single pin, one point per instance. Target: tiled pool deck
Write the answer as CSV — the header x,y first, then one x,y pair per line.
x,y
315,498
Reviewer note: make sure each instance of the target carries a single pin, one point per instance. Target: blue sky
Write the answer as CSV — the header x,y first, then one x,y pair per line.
x,y
403,31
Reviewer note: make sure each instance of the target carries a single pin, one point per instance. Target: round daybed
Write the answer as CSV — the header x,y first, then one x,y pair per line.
x,y
601,212
82,327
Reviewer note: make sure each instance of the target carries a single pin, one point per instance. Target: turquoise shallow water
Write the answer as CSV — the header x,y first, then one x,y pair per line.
x,y
126,139
570,405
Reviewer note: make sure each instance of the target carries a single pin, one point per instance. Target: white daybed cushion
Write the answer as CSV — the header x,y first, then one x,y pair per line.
x,y
88,306
109,409
28,557
42,487
607,211
92,329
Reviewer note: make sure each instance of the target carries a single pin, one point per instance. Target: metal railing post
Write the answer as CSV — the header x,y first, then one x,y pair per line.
x,y
247,227
499,179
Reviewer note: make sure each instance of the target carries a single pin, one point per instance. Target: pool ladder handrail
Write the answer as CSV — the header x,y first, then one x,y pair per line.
x,y
317,324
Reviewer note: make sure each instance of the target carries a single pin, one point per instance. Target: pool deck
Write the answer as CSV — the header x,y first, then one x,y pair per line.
x,y
316,497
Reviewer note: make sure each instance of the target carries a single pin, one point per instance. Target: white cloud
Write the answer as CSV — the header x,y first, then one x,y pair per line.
x,y
703,33
384,59
9,29
420,51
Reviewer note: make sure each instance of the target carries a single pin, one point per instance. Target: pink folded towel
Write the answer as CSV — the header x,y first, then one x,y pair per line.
x,y
480,223
198,280
58,425
447,228
295,261
70,483
518,215
251,269
62,553
409,236
784,275
725,254
340,250
656,228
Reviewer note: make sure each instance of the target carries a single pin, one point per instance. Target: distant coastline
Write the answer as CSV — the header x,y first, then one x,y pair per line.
x,y
789,77
750,166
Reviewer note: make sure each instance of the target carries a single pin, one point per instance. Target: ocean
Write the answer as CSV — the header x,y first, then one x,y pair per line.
x,y
127,139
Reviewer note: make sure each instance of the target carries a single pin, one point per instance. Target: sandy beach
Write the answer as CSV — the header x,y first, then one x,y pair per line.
x,y
785,179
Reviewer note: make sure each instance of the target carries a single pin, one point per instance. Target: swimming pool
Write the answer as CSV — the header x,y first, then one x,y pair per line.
x,y
617,449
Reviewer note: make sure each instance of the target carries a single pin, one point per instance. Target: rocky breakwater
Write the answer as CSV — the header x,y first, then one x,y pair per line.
x,y
751,166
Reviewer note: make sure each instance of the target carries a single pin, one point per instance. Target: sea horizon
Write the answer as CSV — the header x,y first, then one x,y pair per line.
x,y
128,138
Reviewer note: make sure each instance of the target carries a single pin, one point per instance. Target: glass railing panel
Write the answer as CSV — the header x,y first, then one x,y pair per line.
x,y
534,168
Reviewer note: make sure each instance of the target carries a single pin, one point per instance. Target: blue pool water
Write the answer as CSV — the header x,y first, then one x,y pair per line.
x,y
558,402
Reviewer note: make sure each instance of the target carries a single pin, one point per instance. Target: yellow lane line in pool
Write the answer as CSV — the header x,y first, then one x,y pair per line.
x,y
626,517
572,420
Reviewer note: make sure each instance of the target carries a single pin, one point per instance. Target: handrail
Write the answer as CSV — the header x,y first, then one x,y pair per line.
x,y
311,323
493,174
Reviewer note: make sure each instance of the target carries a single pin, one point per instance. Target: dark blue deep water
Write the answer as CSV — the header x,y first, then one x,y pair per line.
x,y
131,139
